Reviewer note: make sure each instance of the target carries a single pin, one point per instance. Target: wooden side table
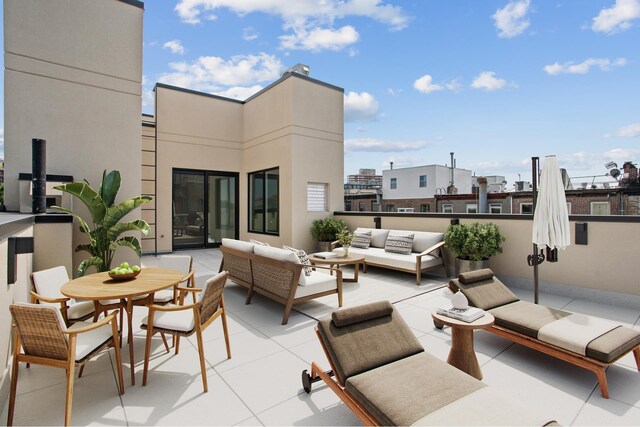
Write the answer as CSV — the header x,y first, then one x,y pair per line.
x,y
355,260
462,354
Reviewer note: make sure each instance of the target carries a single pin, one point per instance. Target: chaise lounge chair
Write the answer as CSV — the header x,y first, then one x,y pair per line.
x,y
382,373
588,342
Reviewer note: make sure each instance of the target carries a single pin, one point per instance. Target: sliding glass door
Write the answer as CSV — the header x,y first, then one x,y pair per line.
x,y
204,208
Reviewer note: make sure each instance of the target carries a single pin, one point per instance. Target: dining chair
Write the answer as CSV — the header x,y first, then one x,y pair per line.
x,y
46,286
41,333
185,320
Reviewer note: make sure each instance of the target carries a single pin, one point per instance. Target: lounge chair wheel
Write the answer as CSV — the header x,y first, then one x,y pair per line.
x,y
437,324
306,381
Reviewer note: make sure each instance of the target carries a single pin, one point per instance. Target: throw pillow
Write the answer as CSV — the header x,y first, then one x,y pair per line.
x,y
258,242
303,257
361,240
399,244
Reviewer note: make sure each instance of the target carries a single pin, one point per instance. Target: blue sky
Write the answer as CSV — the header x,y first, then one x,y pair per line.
x,y
494,81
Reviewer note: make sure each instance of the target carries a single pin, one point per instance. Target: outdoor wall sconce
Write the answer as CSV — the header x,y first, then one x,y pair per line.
x,y
582,233
378,222
16,246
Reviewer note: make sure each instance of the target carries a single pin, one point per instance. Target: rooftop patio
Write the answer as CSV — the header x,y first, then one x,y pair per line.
x,y
260,384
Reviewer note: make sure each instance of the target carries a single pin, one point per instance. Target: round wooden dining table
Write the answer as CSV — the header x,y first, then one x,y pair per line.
x,y
100,286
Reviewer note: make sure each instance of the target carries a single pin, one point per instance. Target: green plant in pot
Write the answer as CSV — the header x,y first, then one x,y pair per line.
x,y
473,244
345,237
105,234
326,231
2,207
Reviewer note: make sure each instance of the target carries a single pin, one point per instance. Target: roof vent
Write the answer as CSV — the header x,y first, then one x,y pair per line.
x,y
298,68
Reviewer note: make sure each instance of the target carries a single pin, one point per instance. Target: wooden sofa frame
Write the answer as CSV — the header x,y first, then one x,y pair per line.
x,y
418,270
248,269
596,366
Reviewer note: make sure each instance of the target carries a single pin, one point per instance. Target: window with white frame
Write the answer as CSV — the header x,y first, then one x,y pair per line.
x,y
393,184
447,208
424,207
600,208
423,181
526,208
472,208
495,208
317,197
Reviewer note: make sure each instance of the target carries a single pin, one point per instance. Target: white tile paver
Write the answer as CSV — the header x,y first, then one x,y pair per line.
x,y
261,384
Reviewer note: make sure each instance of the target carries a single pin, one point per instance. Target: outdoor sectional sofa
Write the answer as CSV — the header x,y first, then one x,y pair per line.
x,y
385,377
277,274
588,342
425,252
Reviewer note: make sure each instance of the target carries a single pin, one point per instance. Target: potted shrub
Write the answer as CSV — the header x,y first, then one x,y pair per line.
x,y
105,234
326,231
473,244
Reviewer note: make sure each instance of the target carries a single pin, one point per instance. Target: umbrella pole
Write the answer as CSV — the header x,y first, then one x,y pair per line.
x,y
534,181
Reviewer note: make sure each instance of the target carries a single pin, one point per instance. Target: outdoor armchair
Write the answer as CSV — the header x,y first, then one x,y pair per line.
x,y
185,320
41,333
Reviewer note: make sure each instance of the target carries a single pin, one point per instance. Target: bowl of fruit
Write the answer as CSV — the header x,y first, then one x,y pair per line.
x,y
124,272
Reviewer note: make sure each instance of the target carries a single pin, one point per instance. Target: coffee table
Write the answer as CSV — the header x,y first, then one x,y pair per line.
x,y
100,286
355,260
462,354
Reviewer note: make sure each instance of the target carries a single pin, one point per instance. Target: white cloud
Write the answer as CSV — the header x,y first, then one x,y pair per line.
x,y
148,97
583,67
594,161
310,20
239,92
174,46
318,39
209,72
402,162
511,20
425,84
394,92
382,145
629,131
249,34
360,106
487,80
617,18
2,143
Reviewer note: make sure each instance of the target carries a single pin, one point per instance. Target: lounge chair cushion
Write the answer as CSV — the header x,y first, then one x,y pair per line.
x,y
403,392
363,346
475,276
485,293
527,318
361,313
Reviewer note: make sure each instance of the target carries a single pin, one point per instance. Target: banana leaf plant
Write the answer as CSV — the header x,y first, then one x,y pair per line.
x,y
105,235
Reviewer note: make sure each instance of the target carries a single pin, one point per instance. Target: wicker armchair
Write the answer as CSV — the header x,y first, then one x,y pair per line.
x,y
40,331
185,320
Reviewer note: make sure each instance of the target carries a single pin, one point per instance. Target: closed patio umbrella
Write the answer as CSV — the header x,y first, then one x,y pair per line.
x,y
550,218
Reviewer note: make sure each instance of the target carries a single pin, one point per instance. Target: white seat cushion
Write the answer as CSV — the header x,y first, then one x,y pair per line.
x,y
80,309
89,341
175,320
316,283
109,301
163,296
379,256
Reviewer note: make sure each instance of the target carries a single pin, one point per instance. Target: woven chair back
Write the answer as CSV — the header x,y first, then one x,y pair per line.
x,y
211,295
40,330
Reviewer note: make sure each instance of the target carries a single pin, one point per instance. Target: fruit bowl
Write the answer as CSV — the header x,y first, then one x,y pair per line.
x,y
121,277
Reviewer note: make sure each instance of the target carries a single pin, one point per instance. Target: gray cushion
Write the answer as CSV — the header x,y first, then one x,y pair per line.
x,y
362,346
403,392
485,294
361,239
399,243
613,344
475,276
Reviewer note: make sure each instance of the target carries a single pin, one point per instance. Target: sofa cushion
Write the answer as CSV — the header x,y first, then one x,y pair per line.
x,y
422,240
303,257
399,243
378,236
378,256
386,339
238,245
361,240
486,293
258,242
404,391
319,281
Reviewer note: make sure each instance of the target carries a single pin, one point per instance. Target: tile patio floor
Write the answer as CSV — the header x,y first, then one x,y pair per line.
x,y
261,385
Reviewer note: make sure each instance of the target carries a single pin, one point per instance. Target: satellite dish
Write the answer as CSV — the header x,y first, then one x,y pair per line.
x,y
615,173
